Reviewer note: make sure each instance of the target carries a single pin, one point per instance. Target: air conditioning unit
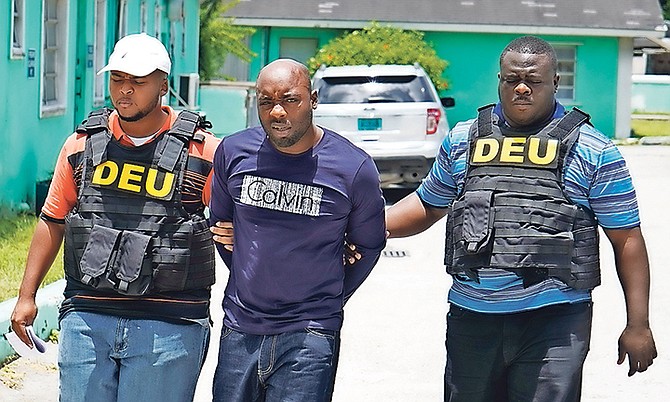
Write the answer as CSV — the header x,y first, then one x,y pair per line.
x,y
188,90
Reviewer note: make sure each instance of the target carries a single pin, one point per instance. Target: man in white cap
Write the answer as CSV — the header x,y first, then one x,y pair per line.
x,y
128,195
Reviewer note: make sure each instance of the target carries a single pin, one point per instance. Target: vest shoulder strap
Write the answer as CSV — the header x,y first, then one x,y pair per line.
x,y
188,125
481,127
186,128
96,128
567,132
95,122
568,123
484,121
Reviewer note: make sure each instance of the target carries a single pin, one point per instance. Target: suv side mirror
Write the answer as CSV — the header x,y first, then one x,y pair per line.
x,y
448,101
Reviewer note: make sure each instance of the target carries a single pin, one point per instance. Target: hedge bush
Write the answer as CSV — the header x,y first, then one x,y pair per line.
x,y
377,44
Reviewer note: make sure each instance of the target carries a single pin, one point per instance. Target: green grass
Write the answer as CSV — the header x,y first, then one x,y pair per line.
x,y
15,235
650,128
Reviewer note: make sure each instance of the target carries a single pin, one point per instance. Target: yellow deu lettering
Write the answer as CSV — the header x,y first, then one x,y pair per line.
x,y
515,150
549,153
164,191
510,146
105,173
129,174
486,150
134,178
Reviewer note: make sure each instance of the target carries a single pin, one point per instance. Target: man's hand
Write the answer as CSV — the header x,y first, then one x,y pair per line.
x,y
223,233
23,315
638,344
351,255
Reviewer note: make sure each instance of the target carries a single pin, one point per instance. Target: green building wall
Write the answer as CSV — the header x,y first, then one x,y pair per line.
x,y
650,94
31,143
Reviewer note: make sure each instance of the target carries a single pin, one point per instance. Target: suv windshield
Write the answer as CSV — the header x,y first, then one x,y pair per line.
x,y
365,89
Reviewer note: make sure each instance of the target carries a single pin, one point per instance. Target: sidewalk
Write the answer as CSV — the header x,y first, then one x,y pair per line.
x,y
393,336
31,380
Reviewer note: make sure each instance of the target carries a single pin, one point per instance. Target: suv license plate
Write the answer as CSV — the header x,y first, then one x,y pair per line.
x,y
369,124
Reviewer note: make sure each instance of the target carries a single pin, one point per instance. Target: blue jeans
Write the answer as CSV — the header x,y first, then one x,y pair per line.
x,y
292,366
529,356
109,358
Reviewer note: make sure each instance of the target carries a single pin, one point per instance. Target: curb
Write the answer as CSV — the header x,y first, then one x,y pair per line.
x,y
659,140
48,299
655,140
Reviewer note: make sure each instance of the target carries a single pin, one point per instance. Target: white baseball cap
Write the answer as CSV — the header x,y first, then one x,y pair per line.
x,y
138,55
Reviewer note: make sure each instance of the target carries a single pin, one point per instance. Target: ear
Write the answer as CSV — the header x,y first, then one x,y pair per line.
x,y
556,79
164,87
314,99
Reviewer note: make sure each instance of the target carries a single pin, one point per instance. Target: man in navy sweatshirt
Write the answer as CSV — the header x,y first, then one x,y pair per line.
x,y
294,193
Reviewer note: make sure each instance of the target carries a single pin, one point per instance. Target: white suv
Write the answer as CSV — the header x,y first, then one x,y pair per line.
x,y
393,112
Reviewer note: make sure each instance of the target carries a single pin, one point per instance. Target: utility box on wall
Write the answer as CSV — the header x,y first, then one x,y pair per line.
x,y
41,190
188,90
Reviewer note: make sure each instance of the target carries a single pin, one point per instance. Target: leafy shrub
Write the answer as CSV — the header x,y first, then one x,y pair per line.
x,y
377,44
220,38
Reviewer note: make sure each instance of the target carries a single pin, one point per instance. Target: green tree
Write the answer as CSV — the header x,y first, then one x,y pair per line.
x,y
377,44
220,38
665,8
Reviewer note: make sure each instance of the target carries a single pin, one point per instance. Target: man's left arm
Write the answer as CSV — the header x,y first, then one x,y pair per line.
x,y
366,227
612,198
632,264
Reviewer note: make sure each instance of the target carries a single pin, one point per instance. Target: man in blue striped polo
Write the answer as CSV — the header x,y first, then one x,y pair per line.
x,y
525,186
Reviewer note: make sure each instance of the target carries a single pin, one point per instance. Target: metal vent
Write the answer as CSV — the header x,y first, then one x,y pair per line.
x,y
395,253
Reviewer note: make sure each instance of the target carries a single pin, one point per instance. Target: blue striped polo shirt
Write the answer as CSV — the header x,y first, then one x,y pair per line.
x,y
595,176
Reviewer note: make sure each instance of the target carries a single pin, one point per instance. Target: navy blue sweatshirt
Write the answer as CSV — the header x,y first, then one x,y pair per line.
x,y
291,214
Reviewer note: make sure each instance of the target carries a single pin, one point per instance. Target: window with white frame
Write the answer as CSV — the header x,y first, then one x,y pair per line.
x,y
300,49
234,67
18,29
100,51
566,57
158,21
123,18
54,56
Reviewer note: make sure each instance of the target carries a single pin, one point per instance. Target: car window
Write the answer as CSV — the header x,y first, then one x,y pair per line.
x,y
380,89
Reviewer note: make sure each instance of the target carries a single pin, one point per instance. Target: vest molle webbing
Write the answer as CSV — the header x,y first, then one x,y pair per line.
x,y
129,232
513,214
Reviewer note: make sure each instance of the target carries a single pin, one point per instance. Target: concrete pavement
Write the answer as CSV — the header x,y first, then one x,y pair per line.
x,y
393,336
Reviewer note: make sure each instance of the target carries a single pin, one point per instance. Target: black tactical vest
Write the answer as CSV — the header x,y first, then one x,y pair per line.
x,y
512,212
129,232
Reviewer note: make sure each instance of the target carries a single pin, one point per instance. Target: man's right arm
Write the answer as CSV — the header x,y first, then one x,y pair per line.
x,y
48,235
421,209
44,247
410,216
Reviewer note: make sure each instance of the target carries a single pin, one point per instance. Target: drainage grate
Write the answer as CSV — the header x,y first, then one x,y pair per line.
x,y
395,253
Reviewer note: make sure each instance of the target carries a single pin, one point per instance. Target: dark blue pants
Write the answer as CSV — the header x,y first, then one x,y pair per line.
x,y
295,366
530,356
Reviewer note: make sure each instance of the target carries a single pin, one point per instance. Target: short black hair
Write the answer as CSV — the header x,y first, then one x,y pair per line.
x,y
531,45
